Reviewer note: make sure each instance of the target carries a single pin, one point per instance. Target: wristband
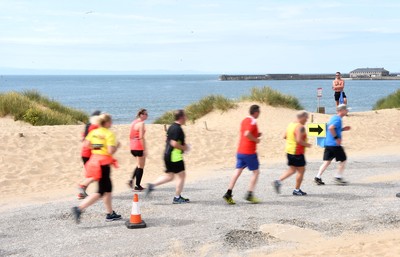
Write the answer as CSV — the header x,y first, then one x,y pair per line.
x,y
336,137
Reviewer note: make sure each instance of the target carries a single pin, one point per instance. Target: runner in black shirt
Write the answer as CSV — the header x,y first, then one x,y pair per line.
x,y
173,158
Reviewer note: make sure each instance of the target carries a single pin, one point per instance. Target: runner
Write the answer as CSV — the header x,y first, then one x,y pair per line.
x,y
87,152
247,155
173,157
296,143
104,145
338,87
138,145
333,146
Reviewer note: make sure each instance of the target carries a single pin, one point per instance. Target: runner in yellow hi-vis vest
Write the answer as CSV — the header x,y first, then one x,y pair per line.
x,y
296,143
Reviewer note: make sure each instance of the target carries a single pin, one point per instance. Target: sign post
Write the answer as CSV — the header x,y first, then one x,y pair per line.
x,y
319,95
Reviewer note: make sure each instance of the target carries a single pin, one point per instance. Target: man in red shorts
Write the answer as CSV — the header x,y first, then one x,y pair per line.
x,y
247,155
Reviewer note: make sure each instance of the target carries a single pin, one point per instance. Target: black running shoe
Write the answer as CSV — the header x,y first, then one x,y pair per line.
x,y
139,188
319,181
76,212
130,184
113,216
299,192
277,186
340,181
398,195
180,200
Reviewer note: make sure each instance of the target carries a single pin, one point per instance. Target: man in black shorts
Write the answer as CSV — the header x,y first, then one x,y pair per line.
x,y
333,146
173,158
338,87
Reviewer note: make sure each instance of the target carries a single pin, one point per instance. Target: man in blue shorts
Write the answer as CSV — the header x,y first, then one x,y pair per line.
x,y
247,155
333,146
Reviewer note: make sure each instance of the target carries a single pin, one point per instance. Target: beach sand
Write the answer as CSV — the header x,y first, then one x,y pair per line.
x,y
42,164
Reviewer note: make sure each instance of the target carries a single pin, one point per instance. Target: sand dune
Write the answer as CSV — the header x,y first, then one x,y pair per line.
x,y
45,163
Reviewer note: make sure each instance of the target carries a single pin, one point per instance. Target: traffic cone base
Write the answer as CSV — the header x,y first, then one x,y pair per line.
x,y
135,225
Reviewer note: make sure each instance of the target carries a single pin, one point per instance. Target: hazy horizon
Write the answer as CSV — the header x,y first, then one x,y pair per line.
x,y
207,37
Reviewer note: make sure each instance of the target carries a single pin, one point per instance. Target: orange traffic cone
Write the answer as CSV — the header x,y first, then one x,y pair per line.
x,y
136,218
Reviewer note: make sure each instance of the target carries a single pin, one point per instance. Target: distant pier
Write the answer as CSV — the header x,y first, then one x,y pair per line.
x,y
302,77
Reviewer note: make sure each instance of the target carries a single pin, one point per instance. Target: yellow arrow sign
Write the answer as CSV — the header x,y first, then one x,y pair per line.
x,y
316,129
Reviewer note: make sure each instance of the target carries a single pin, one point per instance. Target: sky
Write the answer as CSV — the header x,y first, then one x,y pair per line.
x,y
193,36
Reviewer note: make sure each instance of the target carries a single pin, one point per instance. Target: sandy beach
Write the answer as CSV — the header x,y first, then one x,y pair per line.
x,y
41,167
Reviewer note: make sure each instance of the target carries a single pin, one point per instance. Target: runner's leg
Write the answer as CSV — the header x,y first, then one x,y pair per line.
x,y
323,167
300,176
107,202
290,171
234,178
341,167
168,177
180,182
253,180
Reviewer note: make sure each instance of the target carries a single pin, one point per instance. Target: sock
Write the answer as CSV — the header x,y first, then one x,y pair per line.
x,y
134,173
249,194
229,192
139,175
338,176
297,189
177,197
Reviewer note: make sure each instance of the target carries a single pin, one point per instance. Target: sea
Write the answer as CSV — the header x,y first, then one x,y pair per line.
x,y
123,95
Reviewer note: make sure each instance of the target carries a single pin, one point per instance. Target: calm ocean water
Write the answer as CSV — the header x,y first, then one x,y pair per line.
x,y
122,96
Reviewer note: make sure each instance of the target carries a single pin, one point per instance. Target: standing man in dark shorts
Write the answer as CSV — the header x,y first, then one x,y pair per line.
x,y
247,155
338,87
333,146
296,143
173,157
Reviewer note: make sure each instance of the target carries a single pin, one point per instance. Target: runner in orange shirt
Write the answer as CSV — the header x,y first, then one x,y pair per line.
x,y
247,155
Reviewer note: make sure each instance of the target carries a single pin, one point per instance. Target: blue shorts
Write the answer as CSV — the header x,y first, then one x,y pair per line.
x,y
247,161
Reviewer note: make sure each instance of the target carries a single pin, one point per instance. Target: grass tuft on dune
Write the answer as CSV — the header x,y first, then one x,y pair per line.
x,y
388,102
264,95
38,110
271,97
197,110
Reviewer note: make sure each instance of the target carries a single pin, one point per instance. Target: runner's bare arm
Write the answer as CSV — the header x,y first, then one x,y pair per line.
x,y
251,137
141,135
177,145
300,131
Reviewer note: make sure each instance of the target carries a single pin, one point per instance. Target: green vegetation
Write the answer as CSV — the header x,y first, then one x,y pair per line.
x,y
38,110
269,96
389,102
199,109
264,95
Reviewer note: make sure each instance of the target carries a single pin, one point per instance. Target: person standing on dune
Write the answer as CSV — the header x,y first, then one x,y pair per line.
x,y
338,87
296,143
247,155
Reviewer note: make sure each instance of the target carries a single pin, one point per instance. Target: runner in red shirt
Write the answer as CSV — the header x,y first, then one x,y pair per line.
x,y
247,155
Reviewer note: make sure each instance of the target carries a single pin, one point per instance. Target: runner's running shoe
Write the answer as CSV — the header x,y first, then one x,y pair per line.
x,y
138,189
398,195
340,181
252,199
319,181
229,199
180,200
277,186
113,216
76,212
149,189
299,192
